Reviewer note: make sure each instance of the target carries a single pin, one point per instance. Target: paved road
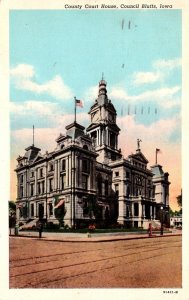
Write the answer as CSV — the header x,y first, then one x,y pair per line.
x,y
145,263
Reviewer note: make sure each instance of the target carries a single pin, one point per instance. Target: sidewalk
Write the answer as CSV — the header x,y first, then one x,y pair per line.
x,y
94,237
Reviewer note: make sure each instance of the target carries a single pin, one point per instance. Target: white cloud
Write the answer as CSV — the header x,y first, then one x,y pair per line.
x,y
161,68
167,64
44,136
33,108
24,79
119,93
91,94
153,95
146,77
22,71
153,136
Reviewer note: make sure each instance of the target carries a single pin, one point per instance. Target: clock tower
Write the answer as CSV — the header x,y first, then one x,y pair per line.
x,y
103,128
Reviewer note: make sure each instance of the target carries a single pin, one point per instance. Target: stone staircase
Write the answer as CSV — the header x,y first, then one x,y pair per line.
x,y
155,224
29,225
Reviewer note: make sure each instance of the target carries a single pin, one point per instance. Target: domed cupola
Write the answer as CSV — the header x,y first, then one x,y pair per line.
x,y
102,93
102,88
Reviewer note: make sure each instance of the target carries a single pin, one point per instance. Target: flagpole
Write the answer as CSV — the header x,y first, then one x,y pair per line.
x,y
157,150
73,204
75,109
33,135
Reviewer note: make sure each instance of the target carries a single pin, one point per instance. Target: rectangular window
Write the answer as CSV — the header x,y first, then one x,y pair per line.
x,y
116,174
43,187
32,174
127,211
32,189
50,184
39,188
21,192
41,172
136,209
50,209
21,179
85,208
63,181
51,167
84,182
32,210
63,165
117,189
85,165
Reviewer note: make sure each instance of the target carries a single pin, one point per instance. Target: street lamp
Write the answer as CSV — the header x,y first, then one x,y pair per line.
x,y
161,219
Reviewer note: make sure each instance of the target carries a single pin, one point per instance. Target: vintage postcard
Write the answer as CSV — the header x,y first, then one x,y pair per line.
x,y
94,128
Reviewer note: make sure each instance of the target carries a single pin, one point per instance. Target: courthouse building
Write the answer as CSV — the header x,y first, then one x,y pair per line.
x,y
88,176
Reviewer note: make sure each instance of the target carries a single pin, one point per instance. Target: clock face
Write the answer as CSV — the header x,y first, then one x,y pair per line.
x,y
95,117
110,117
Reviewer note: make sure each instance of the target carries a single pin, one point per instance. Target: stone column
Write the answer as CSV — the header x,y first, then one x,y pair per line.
x,y
106,136
58,174
35,184
143,209
150,212
18,187
132,210
154,212
25,184
55,175
69,170
17,213
46,181
67,178
45,209
35,209
121,205
140,210
163,194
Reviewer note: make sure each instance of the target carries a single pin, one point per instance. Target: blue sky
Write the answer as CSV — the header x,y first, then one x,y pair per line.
x,y
58,54
80,45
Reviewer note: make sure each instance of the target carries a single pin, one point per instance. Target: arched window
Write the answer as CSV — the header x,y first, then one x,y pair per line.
x,y
85,147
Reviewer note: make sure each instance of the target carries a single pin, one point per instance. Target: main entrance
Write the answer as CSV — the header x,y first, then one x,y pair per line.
x,y
41,210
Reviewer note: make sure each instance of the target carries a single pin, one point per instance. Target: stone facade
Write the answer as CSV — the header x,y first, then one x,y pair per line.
x,y
89,173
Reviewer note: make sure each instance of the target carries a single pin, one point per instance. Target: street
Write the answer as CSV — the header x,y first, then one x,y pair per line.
x,y
139,263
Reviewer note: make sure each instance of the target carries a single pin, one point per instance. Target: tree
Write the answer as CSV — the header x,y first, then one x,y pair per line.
x,y
12,206
93,207
12,215
171,212
179,200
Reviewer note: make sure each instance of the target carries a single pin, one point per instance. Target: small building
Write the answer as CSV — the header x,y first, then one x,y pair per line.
x,y
176,221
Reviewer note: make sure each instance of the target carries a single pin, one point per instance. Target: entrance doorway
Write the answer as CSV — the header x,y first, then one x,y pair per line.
x,y
41,210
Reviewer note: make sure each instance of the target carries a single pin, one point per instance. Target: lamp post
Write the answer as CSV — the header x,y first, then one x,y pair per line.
x,y
161,219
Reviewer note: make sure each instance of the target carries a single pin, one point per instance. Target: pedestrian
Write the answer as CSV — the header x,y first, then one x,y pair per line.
x,y
150,230
40,228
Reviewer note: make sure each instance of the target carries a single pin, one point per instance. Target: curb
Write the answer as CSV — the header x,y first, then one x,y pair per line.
x,y
93,240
